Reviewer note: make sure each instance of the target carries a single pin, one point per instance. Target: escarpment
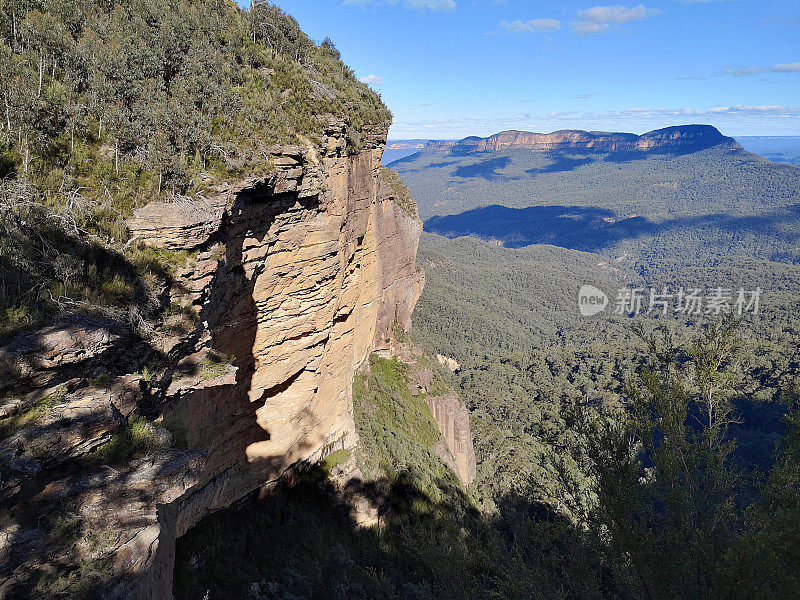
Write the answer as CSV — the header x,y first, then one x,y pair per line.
x,y
452,418
683,138
290,281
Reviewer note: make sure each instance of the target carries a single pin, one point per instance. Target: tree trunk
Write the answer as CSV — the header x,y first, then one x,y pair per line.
x,y
41,74
8,114
253,16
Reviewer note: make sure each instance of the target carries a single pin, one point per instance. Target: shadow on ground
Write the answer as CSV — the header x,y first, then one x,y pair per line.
x,y
592,229
301,541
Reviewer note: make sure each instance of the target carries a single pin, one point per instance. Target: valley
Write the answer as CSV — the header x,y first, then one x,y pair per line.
x,y
254,344
503,277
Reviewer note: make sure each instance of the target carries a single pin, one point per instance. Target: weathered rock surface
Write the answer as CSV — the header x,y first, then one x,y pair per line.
x,y
448,363
294,279
452,417
683,138
38,354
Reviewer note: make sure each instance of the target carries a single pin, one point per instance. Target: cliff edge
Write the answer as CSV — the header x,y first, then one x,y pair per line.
x,y
291,280
680,138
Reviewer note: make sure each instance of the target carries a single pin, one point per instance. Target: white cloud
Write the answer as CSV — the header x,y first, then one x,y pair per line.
x,y
415,4
738,118
616,14
743,71
780,112
589,27
371,80
599,19
787,68
747,71
521,27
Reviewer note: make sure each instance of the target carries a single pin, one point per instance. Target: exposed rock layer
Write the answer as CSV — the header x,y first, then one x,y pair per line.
x,y
452,417
684,138
295,278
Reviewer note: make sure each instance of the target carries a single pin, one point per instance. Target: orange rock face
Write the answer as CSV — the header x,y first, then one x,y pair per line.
x,y
453,420
686,137
295,278
312,280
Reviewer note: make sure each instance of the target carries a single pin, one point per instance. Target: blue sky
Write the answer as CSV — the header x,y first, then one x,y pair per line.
x,y
452,68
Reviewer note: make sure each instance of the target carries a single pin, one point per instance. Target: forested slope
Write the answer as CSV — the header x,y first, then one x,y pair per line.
x,y
656,211
109,105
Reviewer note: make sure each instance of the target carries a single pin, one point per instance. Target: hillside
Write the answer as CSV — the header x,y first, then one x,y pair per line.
x,y
199,249
109,105
655,209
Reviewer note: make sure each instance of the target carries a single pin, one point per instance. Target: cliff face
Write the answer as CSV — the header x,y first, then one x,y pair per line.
x,y
292,280
679,138
452,418
319,264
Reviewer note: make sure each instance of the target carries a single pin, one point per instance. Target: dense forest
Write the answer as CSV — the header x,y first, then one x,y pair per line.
x,y
555,396
617,458
109,105
510,317
669,514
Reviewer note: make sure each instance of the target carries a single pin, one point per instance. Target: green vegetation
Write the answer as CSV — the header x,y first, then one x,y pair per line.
x,y
396,429
676,510
717,217
402,196
33,413
334,459
670,517
135,439
653,212
109,105
213,365
510,318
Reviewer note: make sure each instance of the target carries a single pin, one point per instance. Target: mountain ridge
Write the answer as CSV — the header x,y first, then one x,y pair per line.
x,y
671,139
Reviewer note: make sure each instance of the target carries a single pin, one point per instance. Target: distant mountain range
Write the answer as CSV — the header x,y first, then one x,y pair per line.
x,y
681,138
688,138
658,201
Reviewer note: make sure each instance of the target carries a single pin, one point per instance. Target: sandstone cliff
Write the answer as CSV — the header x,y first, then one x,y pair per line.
x,y
452,417
671,139
447,410
290,281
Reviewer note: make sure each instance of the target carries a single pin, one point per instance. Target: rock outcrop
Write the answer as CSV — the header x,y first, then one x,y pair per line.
x,y
452,417
449,414
449,363
292,280
683,138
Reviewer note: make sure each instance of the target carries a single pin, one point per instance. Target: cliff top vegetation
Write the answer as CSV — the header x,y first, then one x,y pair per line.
x,y
109,104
